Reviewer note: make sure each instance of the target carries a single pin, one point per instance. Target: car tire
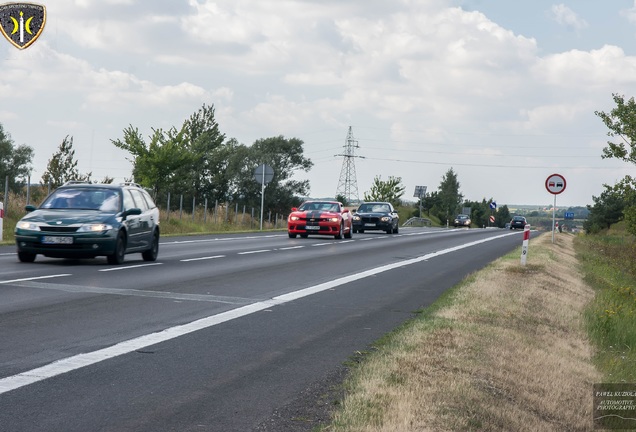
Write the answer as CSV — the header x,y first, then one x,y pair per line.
x,y
117,257
390,230
152,253
26,257
291,235
396,229
349,234
340,233
361,231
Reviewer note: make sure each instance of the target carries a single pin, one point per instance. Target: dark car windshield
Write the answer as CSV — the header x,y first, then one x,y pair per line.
x,y
462,216
108,200
374,208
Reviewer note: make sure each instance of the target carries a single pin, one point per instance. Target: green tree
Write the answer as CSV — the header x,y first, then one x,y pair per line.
x,y
621,122
449,196
285,156
62,167
503,216
390,190
15,162
608,209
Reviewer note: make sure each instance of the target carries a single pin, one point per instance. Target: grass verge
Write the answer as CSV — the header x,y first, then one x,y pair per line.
x,y
505,350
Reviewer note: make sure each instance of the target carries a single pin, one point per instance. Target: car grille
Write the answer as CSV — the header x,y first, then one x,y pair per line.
x,y
370,219
58,229
314,220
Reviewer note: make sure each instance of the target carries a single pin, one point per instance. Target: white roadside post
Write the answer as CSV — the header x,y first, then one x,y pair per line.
x,y
1,219
524,247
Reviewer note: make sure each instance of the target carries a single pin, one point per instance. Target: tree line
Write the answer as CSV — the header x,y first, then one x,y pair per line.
x,y
198,160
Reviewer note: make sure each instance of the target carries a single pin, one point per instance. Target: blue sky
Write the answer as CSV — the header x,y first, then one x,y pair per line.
x,y
503,92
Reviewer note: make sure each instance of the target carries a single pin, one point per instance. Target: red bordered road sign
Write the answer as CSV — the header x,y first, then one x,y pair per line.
x,y
555,184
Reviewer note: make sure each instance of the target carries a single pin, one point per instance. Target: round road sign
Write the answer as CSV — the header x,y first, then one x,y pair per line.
x,y
555,184
263,174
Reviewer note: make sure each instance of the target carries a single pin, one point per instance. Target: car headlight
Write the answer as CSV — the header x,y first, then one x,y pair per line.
x,y
293,218
26,225
356,218
334,219
95,228
386,219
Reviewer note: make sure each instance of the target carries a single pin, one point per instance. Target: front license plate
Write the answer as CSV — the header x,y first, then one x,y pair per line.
x,y
312,228
57,240
369,224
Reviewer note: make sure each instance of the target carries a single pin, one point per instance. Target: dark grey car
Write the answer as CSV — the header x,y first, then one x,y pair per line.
x,y
376,216
83,220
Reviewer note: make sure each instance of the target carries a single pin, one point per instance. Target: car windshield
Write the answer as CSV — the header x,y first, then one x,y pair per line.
x,y
320,206
373,208
83,199
462,216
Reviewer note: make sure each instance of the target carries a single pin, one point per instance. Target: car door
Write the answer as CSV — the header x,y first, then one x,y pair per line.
x,y
132,222
146,222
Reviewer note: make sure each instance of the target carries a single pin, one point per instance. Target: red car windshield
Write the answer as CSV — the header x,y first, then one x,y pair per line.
x,y
320,206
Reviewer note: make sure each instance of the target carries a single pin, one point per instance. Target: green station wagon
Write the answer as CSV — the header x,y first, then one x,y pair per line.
x,y
83,220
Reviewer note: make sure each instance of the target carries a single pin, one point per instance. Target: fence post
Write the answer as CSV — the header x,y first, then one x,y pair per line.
x,y
194,200
216,209
205,211
180,206
252,220
243,216
6,192
168,206
1,219
28,199
524,247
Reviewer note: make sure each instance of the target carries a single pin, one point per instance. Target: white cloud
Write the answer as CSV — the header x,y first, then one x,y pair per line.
x,y
567,17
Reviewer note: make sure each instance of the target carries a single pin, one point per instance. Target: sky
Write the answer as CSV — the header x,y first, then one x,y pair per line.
x,y
503,92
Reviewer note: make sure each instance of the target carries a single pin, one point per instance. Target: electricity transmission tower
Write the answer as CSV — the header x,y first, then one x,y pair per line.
x,y
347,184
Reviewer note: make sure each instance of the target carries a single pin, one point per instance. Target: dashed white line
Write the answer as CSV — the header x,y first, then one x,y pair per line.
x,y
203,258
254,252
129,267
35,278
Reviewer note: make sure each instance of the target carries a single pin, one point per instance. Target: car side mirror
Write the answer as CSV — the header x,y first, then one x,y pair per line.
x,y
29,208
294,209
132,212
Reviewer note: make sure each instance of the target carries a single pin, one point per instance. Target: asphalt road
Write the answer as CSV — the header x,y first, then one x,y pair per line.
x,y
217,334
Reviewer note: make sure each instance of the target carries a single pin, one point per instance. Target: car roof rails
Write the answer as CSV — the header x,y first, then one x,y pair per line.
x,y
130,184
72,182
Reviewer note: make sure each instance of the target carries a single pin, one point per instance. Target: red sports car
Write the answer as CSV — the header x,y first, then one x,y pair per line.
x,y
320,217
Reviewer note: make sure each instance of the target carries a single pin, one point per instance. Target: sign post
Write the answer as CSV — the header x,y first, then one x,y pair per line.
x,y
420,192
555,184
524,247
263,174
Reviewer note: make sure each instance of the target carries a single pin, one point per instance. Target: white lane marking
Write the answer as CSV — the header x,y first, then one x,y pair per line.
x,y
203,258
216,239
292,247
35,278
7,254
129,267
323,244
82,360
254,252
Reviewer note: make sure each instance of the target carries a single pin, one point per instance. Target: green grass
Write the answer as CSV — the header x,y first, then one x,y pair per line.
x,y
607,262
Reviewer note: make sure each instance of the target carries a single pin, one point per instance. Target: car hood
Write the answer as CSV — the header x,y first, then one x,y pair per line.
x,y
312,214
67,217
373,214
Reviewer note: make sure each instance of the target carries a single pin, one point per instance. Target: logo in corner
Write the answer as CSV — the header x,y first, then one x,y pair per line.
x,y
22,23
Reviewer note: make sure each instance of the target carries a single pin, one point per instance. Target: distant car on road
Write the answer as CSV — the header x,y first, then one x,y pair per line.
x,y
462,220
518,222
321,218
83,220
376,216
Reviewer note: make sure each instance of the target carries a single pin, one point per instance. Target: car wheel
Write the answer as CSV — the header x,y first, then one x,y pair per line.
x,y
390,230
292,235
361,231
117,257
396,229
151,254
27,257
349,234
339,235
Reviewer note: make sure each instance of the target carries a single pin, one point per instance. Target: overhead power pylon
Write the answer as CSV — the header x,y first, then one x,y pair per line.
x,y
347,184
